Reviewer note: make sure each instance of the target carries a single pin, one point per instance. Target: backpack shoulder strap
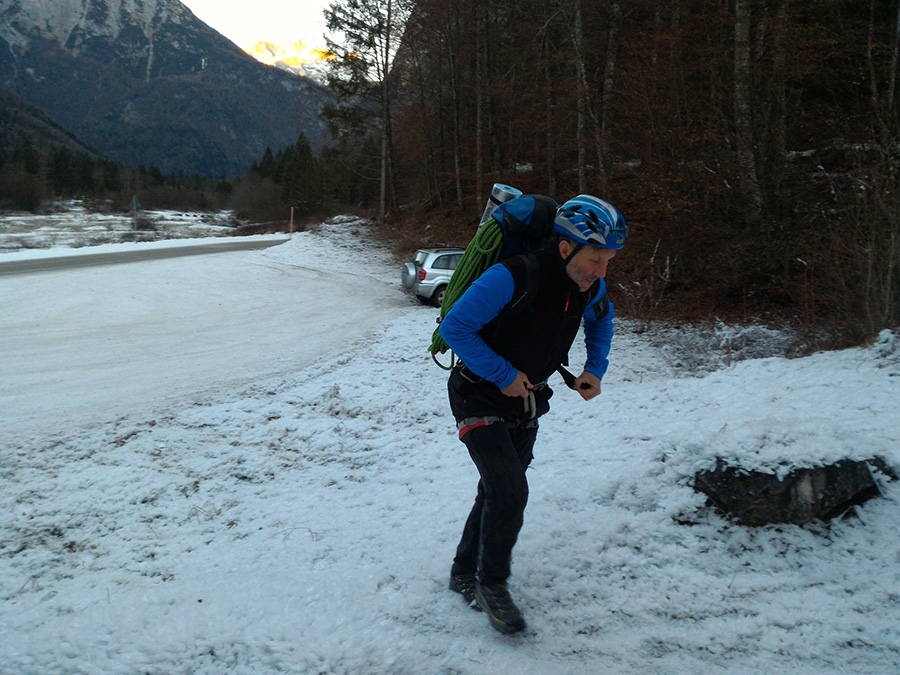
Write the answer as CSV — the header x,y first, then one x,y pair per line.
x,y
526,277
601,307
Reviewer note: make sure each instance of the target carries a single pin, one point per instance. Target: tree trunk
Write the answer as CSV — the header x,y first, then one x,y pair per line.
x,y
581,76
609,90
743,113
895,58
480,58
551,144
881,255
385,119
453,56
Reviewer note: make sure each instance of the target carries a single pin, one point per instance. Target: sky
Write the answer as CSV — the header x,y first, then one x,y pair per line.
x,y
245,463
246,22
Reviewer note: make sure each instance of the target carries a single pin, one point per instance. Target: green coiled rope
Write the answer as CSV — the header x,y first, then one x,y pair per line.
x,y
482,252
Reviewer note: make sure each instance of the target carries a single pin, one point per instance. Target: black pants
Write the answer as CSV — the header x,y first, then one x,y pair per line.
x,y
502,451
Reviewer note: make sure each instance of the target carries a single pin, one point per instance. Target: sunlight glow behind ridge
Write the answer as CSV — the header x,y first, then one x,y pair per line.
x,y
294,54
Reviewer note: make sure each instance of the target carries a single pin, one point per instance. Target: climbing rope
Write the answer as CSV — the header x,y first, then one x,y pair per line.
x,y
482,252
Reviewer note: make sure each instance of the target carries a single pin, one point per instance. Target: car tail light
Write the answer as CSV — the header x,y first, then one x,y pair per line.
x,y
422,274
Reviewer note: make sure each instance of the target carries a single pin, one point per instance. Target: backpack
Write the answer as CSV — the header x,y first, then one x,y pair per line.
x,y
519,226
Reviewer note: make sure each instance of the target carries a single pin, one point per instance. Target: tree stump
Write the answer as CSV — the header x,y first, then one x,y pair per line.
x,y
757,498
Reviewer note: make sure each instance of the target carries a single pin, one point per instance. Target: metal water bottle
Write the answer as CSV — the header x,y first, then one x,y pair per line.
x,y
499,193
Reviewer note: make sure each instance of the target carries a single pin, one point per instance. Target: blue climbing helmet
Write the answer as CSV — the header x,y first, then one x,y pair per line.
x,y
590,221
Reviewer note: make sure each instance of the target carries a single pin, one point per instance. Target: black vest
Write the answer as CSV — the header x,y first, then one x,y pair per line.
x,y
535,331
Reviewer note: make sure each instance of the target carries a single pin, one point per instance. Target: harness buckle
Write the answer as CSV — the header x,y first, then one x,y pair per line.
x,y
467,374
531,405
469,423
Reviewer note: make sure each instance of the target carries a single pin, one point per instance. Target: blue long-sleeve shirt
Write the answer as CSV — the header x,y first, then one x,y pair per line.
x,y
484,300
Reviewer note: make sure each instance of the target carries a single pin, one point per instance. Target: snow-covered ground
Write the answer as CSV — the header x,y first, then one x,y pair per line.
x,y
71,224
299,514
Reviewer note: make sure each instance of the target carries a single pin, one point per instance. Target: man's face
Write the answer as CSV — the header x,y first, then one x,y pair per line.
x,y
588,265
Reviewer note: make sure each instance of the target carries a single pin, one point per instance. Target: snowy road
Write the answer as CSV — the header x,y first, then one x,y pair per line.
x,y
94,343
89,259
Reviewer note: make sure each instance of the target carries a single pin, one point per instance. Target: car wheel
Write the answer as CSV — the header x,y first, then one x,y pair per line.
x,y
408,275
438,298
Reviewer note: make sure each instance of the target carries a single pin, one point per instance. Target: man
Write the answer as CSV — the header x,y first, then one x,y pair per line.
x,y
499,389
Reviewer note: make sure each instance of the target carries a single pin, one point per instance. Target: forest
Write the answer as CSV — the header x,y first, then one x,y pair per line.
x,y
752,145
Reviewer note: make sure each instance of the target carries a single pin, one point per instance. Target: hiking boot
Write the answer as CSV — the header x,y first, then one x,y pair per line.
x,y
501,610
464,584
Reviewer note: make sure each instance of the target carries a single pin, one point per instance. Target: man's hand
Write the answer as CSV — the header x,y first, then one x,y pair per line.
x,y
588,385
520,386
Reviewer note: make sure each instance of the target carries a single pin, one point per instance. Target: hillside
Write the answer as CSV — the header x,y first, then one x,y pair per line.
x,y
21,122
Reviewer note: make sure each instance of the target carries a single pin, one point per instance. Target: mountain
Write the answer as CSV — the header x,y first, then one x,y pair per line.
x,y
22,123
146,82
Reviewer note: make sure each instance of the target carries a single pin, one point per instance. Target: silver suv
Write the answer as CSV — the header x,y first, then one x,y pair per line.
x,y
428,273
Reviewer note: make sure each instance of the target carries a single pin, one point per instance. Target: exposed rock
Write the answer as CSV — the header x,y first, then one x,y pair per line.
x,y
757,498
